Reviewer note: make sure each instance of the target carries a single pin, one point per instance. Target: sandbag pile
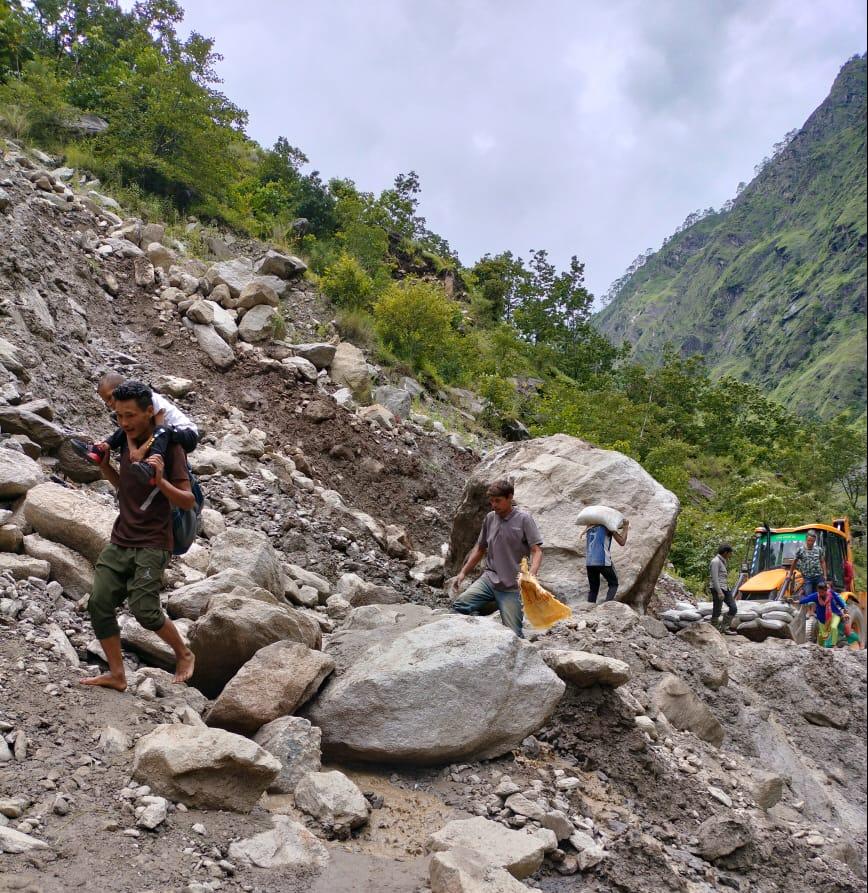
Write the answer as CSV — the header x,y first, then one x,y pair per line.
x,y
756,620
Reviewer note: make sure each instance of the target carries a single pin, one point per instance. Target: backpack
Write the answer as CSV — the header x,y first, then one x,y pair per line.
x,y
185,522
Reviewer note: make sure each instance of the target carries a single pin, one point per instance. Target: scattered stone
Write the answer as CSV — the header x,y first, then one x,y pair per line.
x,y
519,852
204,768
333,800
583,669
274,682
287,845
463,870
296,743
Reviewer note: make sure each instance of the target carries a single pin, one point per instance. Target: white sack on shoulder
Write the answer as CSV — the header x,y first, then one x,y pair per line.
x,y
610,518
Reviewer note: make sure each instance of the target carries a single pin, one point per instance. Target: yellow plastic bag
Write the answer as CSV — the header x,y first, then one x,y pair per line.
x,y
541,608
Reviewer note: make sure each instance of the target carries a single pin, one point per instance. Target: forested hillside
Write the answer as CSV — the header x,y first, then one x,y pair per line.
x,y
772,289
120,96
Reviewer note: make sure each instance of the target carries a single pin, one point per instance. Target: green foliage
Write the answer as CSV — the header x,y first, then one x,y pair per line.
x,y
358,327
279,326
31,105
347,283
772,289
415,320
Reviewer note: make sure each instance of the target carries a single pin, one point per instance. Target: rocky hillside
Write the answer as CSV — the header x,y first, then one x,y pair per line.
x,y
773,289
344,734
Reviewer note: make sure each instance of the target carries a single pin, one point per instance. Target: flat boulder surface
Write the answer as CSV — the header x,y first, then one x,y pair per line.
x,y
455,688
191,600
519,852
234,628
204,768
686,711
555,478
583,669
287,845
18,473
70,517
273,683
296,743
251,553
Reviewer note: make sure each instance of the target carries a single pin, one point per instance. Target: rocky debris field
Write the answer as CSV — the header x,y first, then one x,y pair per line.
x,y
343,732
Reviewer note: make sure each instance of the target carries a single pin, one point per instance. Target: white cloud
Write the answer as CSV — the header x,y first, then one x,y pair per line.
x,y
584,128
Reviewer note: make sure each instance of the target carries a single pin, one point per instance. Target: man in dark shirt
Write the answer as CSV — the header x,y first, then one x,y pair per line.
x,y
507,536
131,567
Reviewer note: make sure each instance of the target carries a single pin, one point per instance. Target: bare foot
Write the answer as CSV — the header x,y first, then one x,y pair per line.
x,y
184,667
106,681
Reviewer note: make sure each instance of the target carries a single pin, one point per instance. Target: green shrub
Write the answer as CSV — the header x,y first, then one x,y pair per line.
x,y
415,319
357,326
33,104
347,283
501,400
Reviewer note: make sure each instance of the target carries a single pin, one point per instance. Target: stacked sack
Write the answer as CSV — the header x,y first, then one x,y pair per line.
x,y
755,620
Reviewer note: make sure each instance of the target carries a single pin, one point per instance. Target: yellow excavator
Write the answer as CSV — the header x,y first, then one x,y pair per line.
x,y
769,575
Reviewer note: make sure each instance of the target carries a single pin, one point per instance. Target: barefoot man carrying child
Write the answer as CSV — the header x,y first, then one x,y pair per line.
x,y
131,567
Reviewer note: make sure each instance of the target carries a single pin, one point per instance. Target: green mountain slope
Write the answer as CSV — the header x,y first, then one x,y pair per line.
x,y
773,289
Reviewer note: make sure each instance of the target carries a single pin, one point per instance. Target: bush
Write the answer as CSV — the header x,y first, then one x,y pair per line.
x,y
415,319
357,326
32,105
347,284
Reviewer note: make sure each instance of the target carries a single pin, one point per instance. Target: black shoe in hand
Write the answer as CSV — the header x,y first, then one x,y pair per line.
x,y
89,451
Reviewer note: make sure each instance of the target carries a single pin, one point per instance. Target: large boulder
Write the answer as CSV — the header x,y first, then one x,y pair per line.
x,y
296,743
204,768
684,710
70,517
258,324
555,478
519,852
333,800
256,293
234,628
461,870
583,669
319,353
349,369
237,273
71,570
251,553
274,682
147,643
215,348
190,601
284,266
223,322
396,400
18,474
452,689
359,592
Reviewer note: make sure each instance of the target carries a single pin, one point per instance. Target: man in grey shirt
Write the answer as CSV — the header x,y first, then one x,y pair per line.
x,y
508,535
719,586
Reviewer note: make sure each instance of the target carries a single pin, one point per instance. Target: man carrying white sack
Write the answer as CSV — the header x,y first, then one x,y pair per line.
x,y
604,525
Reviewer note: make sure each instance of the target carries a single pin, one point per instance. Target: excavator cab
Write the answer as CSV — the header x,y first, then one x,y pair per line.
x,y
768,574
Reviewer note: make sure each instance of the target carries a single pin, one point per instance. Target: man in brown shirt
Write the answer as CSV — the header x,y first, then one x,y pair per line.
x,y
508,535
131,567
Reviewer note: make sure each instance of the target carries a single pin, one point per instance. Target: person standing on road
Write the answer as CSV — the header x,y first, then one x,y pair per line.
x,y
718,584
508,535
810,562
830,610
131,567
598,559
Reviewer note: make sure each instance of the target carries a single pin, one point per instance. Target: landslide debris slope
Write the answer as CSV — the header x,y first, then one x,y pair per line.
x,y
692,762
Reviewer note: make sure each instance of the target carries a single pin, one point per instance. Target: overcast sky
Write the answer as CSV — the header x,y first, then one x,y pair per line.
x,y
587,128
